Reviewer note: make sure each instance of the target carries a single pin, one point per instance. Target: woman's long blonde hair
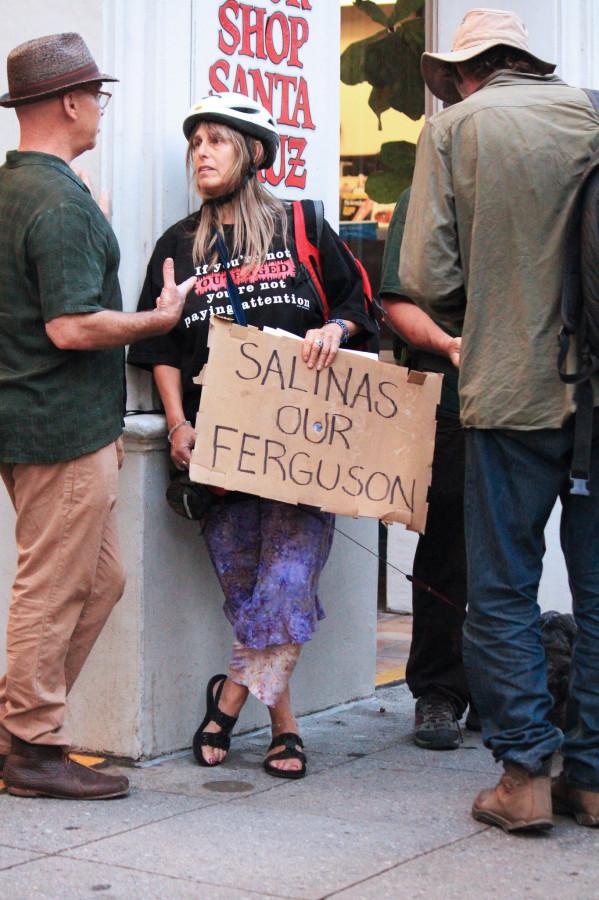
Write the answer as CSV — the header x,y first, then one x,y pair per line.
x,y
258,215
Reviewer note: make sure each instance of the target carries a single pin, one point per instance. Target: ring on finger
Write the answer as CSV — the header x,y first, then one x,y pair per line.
x,y
319,343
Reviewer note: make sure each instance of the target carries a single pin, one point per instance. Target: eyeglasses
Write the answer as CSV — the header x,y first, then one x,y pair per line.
x,y
103,98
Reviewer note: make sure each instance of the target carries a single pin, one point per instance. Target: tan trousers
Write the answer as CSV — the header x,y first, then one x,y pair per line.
x,y
69,577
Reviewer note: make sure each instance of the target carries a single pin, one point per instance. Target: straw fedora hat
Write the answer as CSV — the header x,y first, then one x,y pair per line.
x,y
479,30
48,65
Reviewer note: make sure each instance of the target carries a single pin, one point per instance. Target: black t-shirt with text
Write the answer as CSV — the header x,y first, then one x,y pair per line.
x,y
278,294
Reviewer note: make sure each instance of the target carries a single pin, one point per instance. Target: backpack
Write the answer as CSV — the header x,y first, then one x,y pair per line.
x,y
580,318
308,223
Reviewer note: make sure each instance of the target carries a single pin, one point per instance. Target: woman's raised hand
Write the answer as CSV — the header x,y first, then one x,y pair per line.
x,y
172,296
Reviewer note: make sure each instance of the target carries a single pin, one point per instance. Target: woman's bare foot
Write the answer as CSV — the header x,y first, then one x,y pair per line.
x,y
283,722
230,702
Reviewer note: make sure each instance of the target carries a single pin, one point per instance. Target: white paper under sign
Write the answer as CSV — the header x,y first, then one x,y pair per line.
x,y
355,439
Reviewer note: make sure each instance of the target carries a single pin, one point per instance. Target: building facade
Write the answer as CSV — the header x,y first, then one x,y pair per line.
x,y
141,692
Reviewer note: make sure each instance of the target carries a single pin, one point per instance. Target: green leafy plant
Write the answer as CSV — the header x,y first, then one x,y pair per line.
x,y
396,168
390,59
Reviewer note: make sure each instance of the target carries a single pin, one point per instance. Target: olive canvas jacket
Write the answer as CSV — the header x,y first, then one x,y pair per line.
x,y
494,183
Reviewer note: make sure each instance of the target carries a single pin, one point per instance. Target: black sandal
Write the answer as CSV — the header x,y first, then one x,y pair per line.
x,y
221,740
291,742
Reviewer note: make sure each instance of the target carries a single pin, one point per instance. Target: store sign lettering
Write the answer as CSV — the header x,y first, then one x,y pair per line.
x,y
247,31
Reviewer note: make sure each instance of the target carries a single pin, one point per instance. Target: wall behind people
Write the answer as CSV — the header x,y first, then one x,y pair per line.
x,y
127,707
26,19
167,53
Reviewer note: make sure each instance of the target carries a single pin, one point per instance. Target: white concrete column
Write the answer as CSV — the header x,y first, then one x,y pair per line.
x,y
148,45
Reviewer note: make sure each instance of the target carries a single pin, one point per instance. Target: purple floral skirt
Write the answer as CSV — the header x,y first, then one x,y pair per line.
x,y
268,557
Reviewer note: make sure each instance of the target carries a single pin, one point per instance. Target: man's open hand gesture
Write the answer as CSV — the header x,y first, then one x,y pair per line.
x,y
172,296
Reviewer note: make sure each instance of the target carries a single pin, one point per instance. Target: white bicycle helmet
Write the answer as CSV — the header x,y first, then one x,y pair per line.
x,y
242,114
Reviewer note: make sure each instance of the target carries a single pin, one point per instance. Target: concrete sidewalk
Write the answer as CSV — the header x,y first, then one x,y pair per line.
x,y
375,818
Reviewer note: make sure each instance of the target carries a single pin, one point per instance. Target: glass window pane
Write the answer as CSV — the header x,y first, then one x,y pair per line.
x,y
382,113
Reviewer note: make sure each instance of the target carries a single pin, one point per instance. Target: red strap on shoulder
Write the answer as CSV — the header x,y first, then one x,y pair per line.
x,y
364,275
307,253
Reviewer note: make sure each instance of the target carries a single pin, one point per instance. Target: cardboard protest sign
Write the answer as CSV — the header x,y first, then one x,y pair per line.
x,y
355,439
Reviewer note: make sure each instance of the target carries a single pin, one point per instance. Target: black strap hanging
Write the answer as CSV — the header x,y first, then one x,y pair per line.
x,y
573,318
232,289
583,440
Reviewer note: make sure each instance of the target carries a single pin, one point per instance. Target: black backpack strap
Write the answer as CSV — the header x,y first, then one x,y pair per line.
x,y
571,318
314,219
583,440
572,304
593,97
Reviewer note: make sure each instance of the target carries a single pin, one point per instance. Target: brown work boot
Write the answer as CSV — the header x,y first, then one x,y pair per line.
x,y
572,801
40,770
520,802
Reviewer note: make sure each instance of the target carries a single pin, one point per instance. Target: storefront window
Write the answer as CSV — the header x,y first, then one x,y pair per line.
x,y
382,112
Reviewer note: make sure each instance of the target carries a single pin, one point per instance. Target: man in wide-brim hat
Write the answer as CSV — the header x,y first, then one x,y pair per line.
x,y
483,251
47,66
62,332
480,31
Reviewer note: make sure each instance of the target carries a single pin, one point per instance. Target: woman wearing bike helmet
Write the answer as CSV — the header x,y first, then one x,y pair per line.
x,y
267,555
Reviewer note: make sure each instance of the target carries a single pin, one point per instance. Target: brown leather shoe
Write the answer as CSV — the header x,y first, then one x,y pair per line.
x,y
40,770
572,801
520,802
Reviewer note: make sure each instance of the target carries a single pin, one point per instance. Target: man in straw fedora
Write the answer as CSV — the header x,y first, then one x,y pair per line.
x,y
494,183
62,332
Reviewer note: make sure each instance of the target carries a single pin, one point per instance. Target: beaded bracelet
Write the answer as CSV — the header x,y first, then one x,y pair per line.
x,y
176,427
342,326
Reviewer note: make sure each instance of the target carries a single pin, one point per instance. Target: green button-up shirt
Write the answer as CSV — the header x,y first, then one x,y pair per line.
x,y
390,285
58,255
494,181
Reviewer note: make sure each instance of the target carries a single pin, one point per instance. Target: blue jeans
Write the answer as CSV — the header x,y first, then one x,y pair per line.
x,y
513,479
